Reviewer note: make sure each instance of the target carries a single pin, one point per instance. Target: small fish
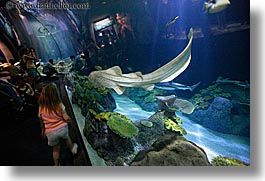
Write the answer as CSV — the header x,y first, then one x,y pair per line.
x,y
175,86
172,21
130,69
239,83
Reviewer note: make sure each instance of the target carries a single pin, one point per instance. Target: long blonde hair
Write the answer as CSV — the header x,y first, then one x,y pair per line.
x,y
50,99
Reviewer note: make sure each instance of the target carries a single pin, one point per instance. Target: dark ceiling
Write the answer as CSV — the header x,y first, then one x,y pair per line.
x,y
2,3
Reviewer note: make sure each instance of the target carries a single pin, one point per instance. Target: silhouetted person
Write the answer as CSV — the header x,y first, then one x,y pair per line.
x,y
49,68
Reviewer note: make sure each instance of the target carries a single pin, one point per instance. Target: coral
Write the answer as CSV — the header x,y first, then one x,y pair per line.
x,y
177,119
117,122
92,111
203,91
86,95
147,124
198,100
150,98
197,95
211,87
122,126
224,94
205,96
103,116
145,99
218,90
202,105
225,161
89,85
173,126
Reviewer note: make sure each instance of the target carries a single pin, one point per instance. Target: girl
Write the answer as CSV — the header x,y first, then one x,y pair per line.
x,y
55,120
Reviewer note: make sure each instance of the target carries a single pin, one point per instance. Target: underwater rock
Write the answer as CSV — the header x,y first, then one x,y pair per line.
x,y
108,144
86,96
238,93
120,162
164,101
218,117
241,125
172,150
148,135
97,101
240,107
225,161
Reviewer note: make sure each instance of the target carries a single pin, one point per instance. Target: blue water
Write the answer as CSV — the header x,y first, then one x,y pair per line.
x,y
212,142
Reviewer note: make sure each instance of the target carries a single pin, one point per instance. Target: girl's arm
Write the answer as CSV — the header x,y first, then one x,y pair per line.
x,y
65,115
28,57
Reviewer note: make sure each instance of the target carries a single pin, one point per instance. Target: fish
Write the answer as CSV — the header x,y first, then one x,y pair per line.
x,y
175,86
215,6
236,82
173,20
173,104
114,78
129,68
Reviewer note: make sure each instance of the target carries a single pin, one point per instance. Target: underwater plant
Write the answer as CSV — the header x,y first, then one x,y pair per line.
x,y
88,85
103,116
224,94
173,125
177,119
117,122
86,95
225,161
123,127
151,97
205,96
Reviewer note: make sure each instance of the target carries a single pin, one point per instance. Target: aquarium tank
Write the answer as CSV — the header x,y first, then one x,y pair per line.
x,y
151,82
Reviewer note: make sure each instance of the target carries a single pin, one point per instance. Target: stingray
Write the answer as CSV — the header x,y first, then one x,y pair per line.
x,y
173,104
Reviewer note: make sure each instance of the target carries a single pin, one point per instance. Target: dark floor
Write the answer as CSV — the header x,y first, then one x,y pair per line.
x,y
22,145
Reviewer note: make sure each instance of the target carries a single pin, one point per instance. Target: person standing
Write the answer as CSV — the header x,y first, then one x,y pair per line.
x,y
29,58
55,120
49,68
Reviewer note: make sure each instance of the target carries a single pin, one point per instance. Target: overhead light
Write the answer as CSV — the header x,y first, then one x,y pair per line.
x,y
17,63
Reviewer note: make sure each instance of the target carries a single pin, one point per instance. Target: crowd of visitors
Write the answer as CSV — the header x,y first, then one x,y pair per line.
x,y
21,85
